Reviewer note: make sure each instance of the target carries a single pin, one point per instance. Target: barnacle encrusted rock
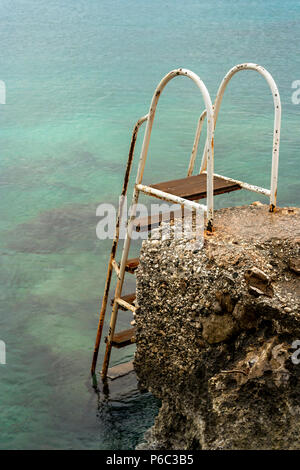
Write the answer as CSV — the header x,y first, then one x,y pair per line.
x,y
215,333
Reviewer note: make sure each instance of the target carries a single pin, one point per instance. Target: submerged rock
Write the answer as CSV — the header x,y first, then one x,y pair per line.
x,y
215,333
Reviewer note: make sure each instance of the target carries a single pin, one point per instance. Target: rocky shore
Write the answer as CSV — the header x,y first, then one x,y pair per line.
x,y
216,333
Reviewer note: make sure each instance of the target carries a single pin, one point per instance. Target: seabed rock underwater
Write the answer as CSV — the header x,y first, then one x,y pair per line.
x,y
216,332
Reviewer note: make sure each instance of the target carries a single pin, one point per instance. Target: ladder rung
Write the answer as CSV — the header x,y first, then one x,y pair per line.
x,y
143,224
128,298
131,265
120,370
124,338
125,305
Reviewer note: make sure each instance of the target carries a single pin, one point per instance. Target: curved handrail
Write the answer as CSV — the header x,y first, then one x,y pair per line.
x,y
209,139
277,120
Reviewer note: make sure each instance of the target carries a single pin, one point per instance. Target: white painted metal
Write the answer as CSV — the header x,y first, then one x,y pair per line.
x,y
277,120
249,187
196,142
170,197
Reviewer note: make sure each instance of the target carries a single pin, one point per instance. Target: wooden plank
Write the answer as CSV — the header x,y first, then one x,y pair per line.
x,y
143,224
121,390
120,370
131,265
130,298
194,187
124,338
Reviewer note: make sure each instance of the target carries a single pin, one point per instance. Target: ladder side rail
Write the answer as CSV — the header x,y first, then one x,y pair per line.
x,y
196,143
277,121
115,241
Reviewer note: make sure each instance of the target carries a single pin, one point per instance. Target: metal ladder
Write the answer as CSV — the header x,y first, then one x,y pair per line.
x,y
183,191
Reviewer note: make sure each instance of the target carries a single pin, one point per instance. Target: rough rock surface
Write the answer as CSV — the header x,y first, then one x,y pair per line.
x,y
215,333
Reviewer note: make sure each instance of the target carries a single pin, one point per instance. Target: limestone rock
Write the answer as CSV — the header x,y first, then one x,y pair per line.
x,y
215,329
218,328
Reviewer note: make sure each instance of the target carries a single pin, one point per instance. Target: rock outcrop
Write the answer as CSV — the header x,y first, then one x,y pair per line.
x,y
217,331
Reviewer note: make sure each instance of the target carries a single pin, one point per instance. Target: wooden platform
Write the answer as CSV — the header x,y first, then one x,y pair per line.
x,y
121,386
131,265
120,370
124,338
194,187
143,224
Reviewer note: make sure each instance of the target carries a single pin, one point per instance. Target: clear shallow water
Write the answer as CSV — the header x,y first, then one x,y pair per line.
x,y
78,75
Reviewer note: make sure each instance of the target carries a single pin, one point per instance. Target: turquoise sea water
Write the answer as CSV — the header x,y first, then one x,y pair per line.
x,y
78,75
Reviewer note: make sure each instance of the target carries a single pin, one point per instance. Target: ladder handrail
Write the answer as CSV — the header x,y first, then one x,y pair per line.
x,y
277,121
209,139
115,241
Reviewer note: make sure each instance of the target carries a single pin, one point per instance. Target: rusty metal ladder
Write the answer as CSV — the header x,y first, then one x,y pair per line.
x,y
112,264
183,192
